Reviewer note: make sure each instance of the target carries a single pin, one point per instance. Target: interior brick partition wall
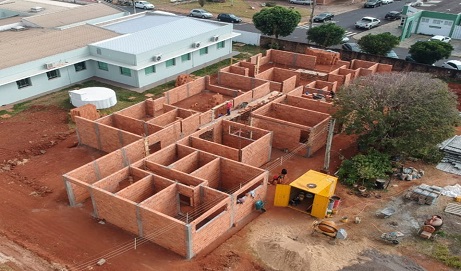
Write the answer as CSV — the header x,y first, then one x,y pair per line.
x,y
87,111
214,148
357,64
384,68
289,84
249,66
243,97
128,124
210,172
295,60
318,136
238,70
261,91
238,81
315,105
323,57
182,92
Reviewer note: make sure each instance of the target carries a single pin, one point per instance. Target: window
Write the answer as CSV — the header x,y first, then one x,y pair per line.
x,y
80,66
185,57
103,66
23,83
204,51
437,21
221,44
125,71
98,51
150,70
425,20
53,74
170,62
448,23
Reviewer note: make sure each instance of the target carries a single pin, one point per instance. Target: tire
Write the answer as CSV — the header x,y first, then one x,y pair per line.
x,y
203,17
144,8
395,242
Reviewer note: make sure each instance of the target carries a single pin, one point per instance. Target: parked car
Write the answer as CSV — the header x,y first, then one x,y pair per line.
x,y
367,23
393,15
385,2
354,47
200,13
372,3
350,46
345,39
409,58
322,17
229,17
452,64
416,4
440,38
301,2
143,5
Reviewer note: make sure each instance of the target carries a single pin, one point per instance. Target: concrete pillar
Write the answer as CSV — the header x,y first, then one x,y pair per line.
x,y
139,221
70,191
189,242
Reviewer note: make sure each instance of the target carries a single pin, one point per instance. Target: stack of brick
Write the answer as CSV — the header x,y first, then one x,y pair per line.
x,y
87,111
424,194
183,79
323,57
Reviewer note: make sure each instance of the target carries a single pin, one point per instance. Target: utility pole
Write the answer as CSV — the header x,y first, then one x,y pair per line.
x,y
311,19
134,7
331,127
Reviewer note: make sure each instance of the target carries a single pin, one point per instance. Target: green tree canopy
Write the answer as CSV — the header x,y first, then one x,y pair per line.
x,y
429,52
405,114
379,44
326,35
276,21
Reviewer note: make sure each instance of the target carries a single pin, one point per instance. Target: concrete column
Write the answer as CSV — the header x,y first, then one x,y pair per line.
x,y
189,242
96,131
70,191
95,207
139,221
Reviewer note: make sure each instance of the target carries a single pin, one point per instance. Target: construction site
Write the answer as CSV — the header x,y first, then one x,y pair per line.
x,y
179,163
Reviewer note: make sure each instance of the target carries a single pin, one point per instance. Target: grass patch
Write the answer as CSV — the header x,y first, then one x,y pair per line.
x,y
442,253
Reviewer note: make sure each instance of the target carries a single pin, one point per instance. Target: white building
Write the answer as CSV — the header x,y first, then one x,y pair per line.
x,y
52,50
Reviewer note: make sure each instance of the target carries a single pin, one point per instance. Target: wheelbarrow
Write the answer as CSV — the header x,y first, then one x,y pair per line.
x,y
386,212
392,237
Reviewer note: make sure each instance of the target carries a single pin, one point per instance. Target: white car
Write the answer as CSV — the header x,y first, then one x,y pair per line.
x,y
143,5
367,23
452,64
440,38
385,2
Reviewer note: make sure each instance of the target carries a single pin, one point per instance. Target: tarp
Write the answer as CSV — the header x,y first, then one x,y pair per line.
x,y
99,96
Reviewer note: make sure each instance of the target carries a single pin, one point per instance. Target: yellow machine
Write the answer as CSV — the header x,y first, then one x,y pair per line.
x,y
315,190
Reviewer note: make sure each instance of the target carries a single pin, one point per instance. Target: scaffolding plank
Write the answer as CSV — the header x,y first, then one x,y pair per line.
x,y
453,208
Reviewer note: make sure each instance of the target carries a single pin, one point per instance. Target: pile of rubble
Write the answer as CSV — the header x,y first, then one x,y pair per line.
x,y
451,163
424,194
409,174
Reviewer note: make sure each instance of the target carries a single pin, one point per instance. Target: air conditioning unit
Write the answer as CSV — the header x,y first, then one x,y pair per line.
x,y
215,38
157,58
196,44
49,66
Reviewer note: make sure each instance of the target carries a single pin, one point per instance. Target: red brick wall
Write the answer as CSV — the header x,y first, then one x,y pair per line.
x,y
173,174
176,94
322,84
80,189
212,230
238,82
266,75
135,151
115,210
164,201
238,70
296,92
235,174
166,118
384,68
289,84
215,148
293,59
187,164
163,230
128,124
190,124
285,135
261,91
210,172
243,97
137,111
111,183
249,66
259,152
282,74
315,105
235,142
158,105
206,117
110,163
166,136
357,63
109,138
86,132
243,210
318,136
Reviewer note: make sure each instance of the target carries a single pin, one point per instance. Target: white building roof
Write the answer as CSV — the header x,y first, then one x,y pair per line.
x,y
154,31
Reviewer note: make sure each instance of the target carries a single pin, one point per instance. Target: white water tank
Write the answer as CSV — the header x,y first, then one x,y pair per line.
x,y
99,96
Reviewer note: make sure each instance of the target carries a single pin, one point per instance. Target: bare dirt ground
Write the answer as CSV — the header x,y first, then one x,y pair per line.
x,y
38,146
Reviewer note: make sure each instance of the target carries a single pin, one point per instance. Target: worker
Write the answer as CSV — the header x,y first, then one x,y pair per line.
x,y
229,107
283,173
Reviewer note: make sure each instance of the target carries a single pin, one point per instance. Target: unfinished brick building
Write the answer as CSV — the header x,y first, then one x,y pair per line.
x,y
175,166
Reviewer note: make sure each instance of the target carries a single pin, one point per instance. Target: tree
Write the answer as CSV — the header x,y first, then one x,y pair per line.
x,y
379,44
326,35
276,21
429,52
201,3
404,114
365,168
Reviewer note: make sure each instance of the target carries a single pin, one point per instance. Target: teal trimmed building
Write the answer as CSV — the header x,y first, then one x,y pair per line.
x,y
415,21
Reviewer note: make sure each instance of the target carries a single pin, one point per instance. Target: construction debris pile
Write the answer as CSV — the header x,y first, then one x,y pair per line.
x,y
424,194
451,163
409,174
